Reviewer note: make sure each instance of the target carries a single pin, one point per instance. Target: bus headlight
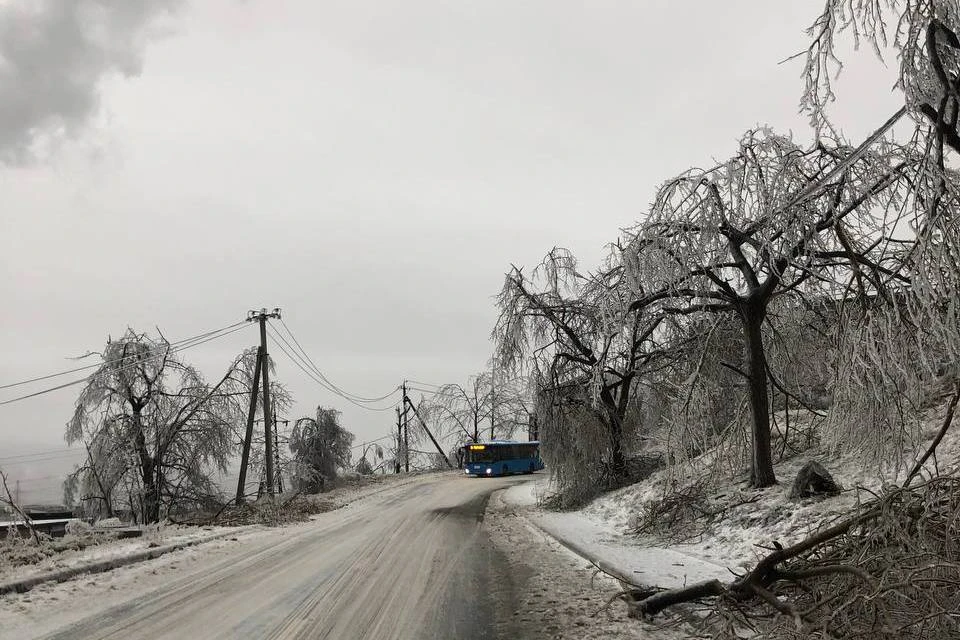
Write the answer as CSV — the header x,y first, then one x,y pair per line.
x,y
489,470
466,471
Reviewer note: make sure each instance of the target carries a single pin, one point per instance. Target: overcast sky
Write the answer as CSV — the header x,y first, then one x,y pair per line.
x,y
370,167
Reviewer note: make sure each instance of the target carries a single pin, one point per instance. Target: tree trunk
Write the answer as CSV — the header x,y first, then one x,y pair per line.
x,y
151,495
618,461
761,468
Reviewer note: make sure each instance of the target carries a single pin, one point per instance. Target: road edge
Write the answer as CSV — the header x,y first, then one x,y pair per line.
x,y
570,545
590,557
22,585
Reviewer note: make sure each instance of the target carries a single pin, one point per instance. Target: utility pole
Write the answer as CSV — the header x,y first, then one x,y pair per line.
x,y
406,431
424,425
396,462
276,448
245,457
262,316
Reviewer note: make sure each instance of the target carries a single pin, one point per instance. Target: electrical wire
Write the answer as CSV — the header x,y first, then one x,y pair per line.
x,y
427,384
98,364
297,359
369,442
317,380
12,461
316,370
39,453
185,344
427,391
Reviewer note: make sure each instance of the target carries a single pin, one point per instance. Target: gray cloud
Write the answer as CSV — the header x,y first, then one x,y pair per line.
x,y
54,55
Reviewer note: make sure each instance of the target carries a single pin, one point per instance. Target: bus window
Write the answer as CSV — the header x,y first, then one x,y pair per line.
x,y
487,454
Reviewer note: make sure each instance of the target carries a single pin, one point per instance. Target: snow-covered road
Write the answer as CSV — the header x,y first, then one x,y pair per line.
x,y
410,562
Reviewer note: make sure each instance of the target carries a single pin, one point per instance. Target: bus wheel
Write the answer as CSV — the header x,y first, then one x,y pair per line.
x,y
531,469
503,470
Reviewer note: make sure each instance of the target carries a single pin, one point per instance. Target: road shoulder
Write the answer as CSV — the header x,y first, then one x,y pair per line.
x,y
557,593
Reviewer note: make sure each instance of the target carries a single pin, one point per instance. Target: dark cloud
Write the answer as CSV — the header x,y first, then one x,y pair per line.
x,y
54,55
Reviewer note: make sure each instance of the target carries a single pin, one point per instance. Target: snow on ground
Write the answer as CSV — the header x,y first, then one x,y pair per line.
x,y
170,534
52,605
558,594
746,521
113,549
647,565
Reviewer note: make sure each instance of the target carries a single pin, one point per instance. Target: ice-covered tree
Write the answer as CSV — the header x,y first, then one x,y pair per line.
x,y
774,220
155,432
921,34
320,447
578,336
478,409
461,411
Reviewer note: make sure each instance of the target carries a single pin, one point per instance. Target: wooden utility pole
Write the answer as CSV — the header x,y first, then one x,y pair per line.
x,y
396,462
276,448
406,431
245,457
262,316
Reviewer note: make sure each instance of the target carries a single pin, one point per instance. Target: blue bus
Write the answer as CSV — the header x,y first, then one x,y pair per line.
x,y
501,457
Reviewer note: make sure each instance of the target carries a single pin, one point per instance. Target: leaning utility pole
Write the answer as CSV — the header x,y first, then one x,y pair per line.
x,y
262,316
245,457
406,431
423,424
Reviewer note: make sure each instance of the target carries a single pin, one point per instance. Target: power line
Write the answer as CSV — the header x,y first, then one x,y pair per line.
x,y
325,378
40,453
317,380
132,365
369,442
40,393
99,364
20,460
427,384
297,359
429,391
320,382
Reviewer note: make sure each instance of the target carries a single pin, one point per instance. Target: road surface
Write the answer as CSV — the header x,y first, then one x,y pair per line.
x,y
412,562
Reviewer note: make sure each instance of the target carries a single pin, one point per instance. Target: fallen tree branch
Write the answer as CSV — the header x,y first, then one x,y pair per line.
x,y
947,420
884,572
658,602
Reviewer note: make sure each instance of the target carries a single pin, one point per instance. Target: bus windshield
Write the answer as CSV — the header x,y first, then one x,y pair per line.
x,y
487,454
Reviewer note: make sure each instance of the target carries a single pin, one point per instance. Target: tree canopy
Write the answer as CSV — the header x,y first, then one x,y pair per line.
x,y
320,447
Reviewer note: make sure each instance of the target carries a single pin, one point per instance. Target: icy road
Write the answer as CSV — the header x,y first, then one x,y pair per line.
x,y
411,562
